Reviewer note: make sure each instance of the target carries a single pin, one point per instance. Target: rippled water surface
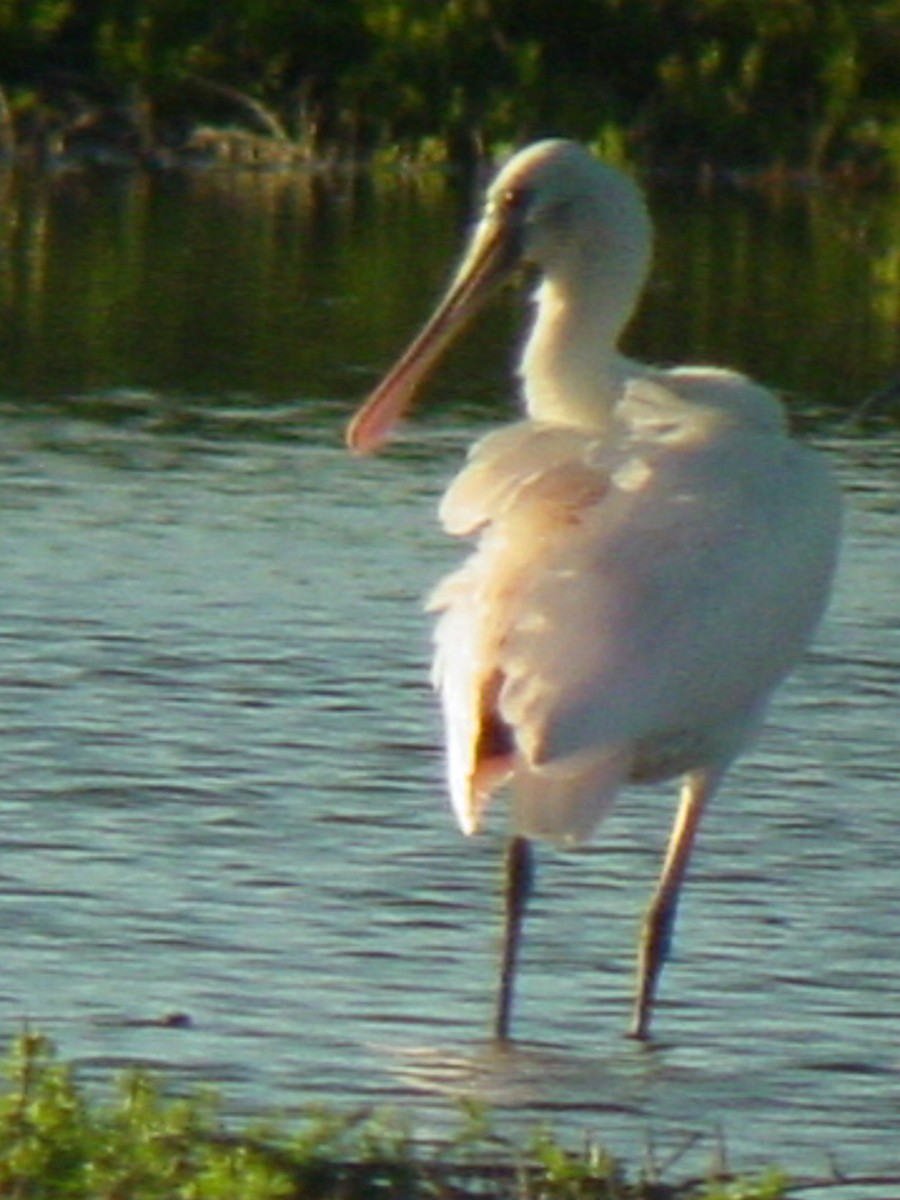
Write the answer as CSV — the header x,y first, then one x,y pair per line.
x,y
221,785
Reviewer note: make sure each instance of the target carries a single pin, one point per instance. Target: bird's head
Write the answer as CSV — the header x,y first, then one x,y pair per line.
x,y
552,206
555,202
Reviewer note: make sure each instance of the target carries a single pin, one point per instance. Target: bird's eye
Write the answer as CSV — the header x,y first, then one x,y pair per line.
x,y
514,200
511,202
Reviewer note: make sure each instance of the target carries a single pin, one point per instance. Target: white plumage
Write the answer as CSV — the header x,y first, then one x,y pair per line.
x,y
653,551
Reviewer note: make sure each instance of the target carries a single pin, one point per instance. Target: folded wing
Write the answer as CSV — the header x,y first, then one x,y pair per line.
x,y
632,601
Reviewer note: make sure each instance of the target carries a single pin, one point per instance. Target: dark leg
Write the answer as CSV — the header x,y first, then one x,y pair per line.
x,y
519,883
656,937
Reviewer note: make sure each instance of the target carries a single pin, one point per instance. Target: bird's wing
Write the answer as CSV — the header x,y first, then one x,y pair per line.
x,y
512,470
676,603
633,596
522,487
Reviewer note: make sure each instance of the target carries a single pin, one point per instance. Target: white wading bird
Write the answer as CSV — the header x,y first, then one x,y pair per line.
x,y
653,554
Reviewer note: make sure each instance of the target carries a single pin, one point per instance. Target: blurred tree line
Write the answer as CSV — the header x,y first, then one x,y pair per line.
x,y
806,84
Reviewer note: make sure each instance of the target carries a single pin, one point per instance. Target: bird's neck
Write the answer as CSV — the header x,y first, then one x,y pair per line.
x,y
571,368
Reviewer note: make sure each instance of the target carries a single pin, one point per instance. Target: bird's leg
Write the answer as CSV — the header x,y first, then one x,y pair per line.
x,y
656,935
519,883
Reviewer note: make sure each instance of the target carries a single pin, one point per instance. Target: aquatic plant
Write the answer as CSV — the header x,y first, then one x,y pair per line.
x,y
60,1141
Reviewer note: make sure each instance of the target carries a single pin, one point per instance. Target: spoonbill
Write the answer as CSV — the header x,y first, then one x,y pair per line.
x,y
653,550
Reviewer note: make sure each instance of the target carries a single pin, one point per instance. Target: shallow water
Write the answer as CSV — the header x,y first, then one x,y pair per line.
x,y
222,786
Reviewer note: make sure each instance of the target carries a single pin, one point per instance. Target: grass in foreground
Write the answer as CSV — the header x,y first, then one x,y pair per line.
x,y
59,1143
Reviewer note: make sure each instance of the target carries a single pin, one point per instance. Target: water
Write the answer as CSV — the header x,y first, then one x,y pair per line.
x,y
221,785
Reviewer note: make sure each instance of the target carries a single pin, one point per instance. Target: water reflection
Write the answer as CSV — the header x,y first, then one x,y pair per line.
x,y
232,284
222,787
223,282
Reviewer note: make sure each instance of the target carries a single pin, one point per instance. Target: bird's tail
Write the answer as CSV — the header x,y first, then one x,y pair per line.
x,y
565,800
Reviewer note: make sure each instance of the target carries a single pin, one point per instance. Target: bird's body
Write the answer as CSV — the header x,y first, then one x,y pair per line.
x,y
653,550
634,598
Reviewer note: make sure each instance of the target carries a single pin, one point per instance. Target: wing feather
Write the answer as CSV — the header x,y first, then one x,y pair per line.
x,y
595,623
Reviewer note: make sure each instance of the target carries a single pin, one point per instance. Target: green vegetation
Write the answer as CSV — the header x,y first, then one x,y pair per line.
x,y
796,84
58,1143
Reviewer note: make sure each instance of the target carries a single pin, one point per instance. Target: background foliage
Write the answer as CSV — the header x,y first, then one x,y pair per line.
x,y
802,83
